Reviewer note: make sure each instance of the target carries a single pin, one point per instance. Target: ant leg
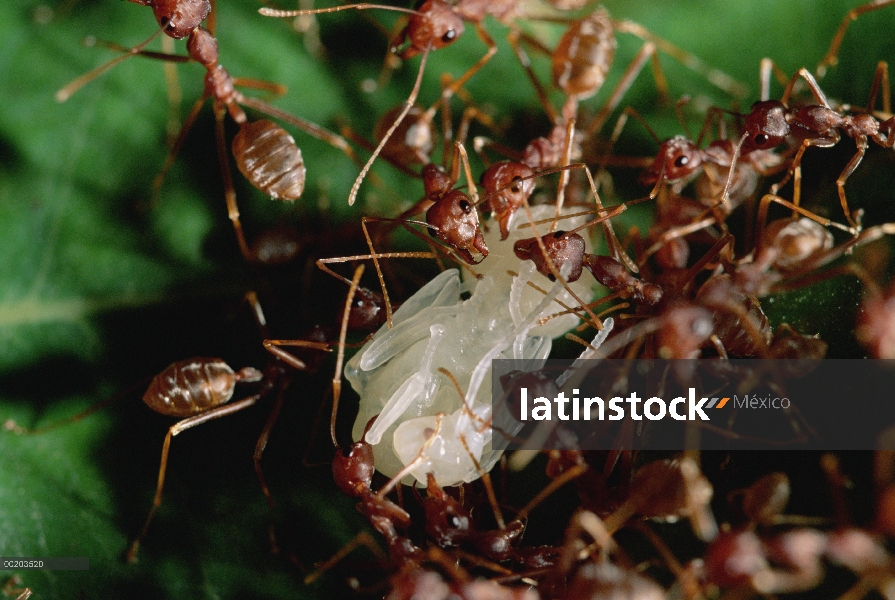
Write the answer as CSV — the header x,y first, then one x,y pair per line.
x,y
12,587
558,482
674,233
806,279
853,218
470,114
564,173
66,92
340,357
880,80
805,75
714,76
480,143
312,129
260,446
362,539
797,160
514,37
172,88
766,68
229,190
277,89
11,426
461,157
175,429
211,21
252,299
178,144
374,256
607,158
764,206
461,81
621,88
831,58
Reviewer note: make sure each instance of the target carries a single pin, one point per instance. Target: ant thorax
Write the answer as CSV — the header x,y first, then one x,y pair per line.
x,y
397,373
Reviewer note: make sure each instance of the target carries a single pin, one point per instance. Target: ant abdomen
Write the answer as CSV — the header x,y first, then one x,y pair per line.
x,y
584,55
193,386
268,157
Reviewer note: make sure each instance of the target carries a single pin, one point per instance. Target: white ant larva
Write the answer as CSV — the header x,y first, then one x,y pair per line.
x,y
397,373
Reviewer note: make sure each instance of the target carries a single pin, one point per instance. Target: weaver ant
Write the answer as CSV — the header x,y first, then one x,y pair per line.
x,y
772,122
264,152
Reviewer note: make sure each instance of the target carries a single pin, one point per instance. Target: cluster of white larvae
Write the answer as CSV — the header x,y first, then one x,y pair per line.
x,y
397,373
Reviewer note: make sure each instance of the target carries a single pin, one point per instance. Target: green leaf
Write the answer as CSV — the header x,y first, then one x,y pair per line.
x,y
102,285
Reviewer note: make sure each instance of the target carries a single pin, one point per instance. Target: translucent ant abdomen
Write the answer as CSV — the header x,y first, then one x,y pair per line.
x,y
268,157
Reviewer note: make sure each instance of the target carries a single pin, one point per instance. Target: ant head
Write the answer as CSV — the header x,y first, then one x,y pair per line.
x,y
353,468
367,310
455,221
438,26
447,522
507,185
562,248
766,125
178,18
678,158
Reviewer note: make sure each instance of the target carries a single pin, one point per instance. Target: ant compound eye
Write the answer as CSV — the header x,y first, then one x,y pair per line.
x,y
761,139
465,207
681,161
433,232
454,521
558,234
449,36
165,22
516,187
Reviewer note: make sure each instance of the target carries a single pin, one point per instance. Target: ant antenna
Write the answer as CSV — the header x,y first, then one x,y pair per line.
x,y
340,357
408,104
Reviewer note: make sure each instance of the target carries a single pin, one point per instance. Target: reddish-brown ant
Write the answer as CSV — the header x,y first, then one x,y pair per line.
x,y
264,152
565,247
197,389
772,122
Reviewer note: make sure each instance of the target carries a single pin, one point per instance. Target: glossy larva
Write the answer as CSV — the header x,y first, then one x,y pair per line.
x,y
397,373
